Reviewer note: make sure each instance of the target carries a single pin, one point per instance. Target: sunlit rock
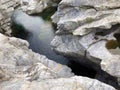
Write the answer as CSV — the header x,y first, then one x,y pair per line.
x,y
22,62
87,28
30,6
22,69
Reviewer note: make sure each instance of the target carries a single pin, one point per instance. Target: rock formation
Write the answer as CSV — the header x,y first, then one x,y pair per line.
x,y
91,29
86,28
22,69
30,6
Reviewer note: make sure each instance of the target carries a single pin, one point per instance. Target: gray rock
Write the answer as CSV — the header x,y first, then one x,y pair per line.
x,y
33,5
87,28
22,69
16,58
74,83
29,6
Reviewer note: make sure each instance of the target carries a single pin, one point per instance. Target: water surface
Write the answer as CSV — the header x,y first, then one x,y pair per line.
x,y
38,33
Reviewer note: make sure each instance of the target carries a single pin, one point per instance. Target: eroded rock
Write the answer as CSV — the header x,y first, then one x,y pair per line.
x,y
29,6
16,58
86,28
74,83
22,69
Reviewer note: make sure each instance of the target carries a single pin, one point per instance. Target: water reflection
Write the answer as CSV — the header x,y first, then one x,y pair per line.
x,y
38,33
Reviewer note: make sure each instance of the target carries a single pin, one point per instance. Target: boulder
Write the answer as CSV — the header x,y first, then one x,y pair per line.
x,y
91,29
19,61
22,69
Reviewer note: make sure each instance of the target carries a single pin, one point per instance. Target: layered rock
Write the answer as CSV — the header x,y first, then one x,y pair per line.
x,y
22,69
89,28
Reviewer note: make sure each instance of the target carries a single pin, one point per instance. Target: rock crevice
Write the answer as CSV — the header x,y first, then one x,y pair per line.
x,y
91,26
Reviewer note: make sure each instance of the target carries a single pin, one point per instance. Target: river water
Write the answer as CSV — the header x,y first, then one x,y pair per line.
x,y
38,33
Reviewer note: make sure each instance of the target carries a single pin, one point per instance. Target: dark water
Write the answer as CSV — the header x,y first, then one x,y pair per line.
x,y
39,34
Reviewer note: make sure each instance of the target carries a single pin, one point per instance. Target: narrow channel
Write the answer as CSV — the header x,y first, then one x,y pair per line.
x,y
39,33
